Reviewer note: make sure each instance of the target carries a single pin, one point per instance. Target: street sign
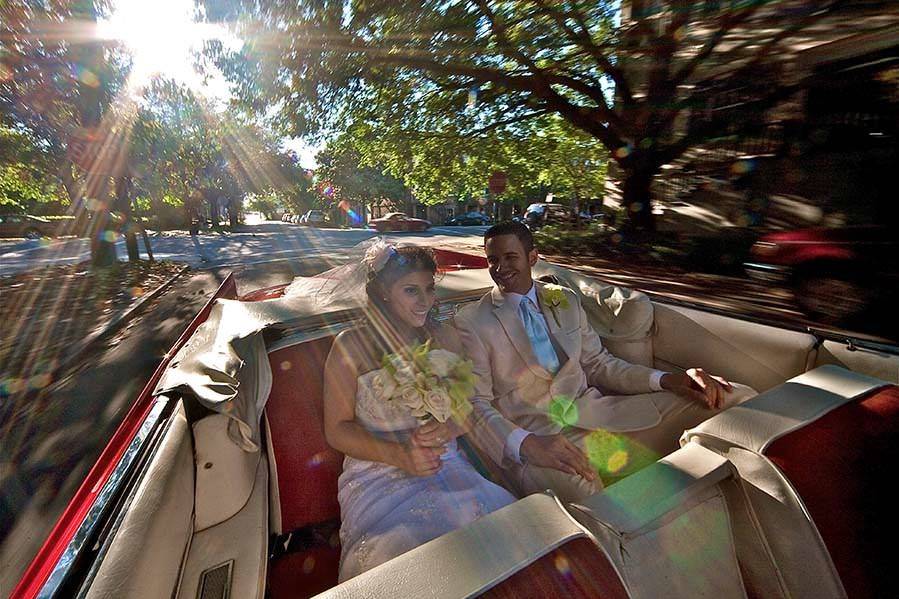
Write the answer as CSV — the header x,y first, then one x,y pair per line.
x,y
497,182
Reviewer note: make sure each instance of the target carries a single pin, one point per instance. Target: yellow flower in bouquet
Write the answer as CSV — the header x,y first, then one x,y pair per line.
x,y
431,383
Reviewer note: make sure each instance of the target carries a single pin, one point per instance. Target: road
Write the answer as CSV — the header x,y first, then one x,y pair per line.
x,y
251,243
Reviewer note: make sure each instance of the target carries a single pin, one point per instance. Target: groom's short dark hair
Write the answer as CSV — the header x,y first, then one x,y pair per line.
x,y
510,227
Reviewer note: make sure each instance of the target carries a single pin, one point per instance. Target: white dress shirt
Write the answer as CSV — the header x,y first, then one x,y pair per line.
x,y
512,449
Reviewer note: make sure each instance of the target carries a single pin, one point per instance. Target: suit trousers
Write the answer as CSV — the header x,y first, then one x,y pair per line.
x,y
616,455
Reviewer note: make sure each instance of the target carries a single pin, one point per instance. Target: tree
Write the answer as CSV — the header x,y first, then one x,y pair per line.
x,y
187,152
350,177
26,176
462,66
60,94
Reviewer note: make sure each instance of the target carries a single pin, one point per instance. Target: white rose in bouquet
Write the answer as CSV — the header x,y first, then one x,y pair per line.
x,y
411,398
405,374
442,362
438,404
383,385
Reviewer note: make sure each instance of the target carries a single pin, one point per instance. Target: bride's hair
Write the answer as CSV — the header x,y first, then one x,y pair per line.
x,y
400,262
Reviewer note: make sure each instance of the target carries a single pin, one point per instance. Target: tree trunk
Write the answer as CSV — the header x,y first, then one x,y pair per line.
x,y
636,199
123,206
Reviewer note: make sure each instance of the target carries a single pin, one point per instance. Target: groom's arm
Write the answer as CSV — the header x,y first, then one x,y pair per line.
x,y
607,372
490,430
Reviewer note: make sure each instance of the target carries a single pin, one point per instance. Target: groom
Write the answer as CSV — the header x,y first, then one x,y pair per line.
x,y
552,406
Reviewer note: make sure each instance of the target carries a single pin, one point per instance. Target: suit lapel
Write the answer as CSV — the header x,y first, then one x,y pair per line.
x,y
565,342
507,314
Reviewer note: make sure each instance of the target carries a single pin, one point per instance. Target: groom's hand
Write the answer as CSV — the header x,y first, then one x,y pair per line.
x,y
558,453
697,385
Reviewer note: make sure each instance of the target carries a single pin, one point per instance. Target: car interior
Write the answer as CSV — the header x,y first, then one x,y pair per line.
x,y
778,497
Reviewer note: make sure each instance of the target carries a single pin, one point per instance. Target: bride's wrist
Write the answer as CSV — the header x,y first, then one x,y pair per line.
x,y
393,454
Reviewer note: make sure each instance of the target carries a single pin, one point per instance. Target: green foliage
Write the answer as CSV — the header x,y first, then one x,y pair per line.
x,y
356,177
591,238
438,90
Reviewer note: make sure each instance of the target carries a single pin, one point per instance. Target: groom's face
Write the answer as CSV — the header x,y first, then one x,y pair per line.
x,y
510,263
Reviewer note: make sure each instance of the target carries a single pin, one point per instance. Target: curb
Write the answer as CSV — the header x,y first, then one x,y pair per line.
x,y
113,326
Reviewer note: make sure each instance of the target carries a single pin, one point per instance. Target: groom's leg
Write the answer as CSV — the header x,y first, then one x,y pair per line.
x,y
567,487
679,414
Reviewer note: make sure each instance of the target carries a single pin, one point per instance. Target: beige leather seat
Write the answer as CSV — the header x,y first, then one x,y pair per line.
x,y
681,528
531,548
814,457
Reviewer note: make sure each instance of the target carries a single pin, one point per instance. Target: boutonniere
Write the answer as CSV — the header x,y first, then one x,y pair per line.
x,y
554,297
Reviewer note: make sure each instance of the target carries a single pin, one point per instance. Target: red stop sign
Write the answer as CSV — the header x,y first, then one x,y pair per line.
x,y
497,182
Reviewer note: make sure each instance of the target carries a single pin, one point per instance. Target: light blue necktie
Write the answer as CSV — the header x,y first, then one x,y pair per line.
x,y
539,336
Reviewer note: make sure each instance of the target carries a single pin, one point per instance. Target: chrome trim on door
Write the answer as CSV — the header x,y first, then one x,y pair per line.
x,y
95,515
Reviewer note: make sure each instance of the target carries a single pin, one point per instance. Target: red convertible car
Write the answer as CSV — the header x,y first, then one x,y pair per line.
x,y
397,221
836,274
219,482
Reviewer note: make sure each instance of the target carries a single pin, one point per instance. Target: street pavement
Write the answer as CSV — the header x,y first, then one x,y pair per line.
x,y
250,243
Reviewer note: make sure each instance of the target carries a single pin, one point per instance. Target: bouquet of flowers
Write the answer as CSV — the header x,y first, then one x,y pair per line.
x,y
432,383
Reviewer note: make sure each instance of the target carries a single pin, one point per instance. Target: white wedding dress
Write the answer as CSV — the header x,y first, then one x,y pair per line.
x,y
385,511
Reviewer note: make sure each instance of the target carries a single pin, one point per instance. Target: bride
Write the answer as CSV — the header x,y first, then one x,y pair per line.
x,y
403,483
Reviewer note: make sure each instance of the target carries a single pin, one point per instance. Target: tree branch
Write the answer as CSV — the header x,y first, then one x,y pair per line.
x,y
585,41
499,31
702,133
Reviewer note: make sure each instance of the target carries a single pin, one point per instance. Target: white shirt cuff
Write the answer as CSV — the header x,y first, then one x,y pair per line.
x,y
655,380
512,451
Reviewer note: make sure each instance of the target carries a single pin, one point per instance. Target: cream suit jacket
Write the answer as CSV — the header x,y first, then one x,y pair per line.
x,y
514,391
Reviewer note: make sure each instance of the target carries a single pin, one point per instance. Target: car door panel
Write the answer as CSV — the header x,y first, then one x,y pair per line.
x,y
145,554
879,364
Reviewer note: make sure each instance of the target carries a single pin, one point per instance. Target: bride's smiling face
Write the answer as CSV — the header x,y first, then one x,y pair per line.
x,y
411,297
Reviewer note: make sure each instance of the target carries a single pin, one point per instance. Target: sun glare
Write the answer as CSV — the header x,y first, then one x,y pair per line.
x,y
162,37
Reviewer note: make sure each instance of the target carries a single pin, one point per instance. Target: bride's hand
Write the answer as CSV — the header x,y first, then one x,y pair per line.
x,y
418,461
436,434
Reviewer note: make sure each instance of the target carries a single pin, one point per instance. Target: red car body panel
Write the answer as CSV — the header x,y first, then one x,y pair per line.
x,y
399,222
803,246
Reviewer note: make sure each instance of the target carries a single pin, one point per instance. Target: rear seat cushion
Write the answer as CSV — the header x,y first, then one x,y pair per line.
x,y
843,466
307,467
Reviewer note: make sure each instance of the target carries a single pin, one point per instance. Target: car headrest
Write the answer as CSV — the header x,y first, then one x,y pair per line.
x,y
755,424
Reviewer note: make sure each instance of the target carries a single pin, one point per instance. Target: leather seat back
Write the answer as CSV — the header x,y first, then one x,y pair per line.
x,y
815,456
531,548
307,467
670,529
847,486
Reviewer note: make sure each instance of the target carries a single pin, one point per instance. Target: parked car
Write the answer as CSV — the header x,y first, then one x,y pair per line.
x,y
469,219
540,214
836,274
25,225
184,503
313,218
397,221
